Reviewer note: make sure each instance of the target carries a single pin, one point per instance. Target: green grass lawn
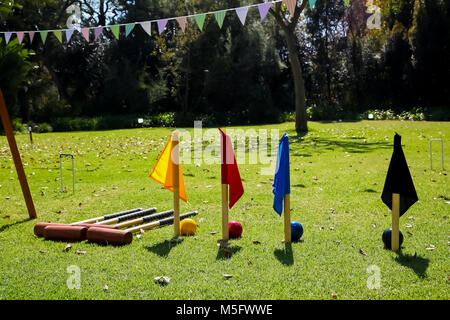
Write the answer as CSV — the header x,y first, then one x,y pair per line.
x,y
337,175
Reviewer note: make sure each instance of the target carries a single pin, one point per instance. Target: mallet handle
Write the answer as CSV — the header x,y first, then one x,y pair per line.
x,y
159,223
129,216
148,218
108,216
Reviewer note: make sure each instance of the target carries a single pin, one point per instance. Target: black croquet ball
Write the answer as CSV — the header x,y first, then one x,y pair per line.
x,y
387,237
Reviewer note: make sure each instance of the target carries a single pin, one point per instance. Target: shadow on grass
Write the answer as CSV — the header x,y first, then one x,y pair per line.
x,y
349,144
285,255
163,248
417,263
228,252
7,226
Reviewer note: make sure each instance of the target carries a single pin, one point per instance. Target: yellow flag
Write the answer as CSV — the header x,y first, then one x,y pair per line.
x,y
164,169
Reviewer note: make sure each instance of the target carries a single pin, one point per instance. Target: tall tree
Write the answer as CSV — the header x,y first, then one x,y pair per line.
x,y
288,26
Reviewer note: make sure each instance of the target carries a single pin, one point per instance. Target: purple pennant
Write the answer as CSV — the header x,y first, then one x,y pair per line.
x,y
97,32
162,25
69,34
8,36
264,9
242,14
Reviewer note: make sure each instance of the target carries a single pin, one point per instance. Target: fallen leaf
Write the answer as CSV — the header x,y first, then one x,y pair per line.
x,y
213,232
162,280
43,251
227,276
67,248
6,217
362,252
408,226
430,249
80,252
256,242
334,295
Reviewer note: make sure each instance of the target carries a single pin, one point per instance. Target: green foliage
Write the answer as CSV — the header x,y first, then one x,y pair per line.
x,y
14,69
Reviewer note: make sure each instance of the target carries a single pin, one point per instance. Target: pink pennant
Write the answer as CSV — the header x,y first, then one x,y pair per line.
x,y
162,25
31,35
182,21
97,32
85,32
242,14
20,36
291,5
263,9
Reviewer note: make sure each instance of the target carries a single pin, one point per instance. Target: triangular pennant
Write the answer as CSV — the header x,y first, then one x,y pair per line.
x,y
69,34
128,28
58,35
313,2
182,21
43,36
242,14
31,35
291,4
115,31
20,36
220,16
85,33
347,3
162,25
147,27
200,19
97,32
8,36
263,9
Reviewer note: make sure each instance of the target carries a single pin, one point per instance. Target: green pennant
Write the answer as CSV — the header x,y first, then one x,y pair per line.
x,y
220,16
58,35
200,19
128,28
43,36
347,2
115,31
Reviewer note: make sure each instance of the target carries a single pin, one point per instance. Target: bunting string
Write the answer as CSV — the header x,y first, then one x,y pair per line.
x,y
199,18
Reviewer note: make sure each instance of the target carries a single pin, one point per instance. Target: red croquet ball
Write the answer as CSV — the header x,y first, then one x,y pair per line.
x,y
234,229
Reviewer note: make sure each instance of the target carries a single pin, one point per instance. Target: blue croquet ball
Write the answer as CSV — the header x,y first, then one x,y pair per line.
x,y
387,237
296,231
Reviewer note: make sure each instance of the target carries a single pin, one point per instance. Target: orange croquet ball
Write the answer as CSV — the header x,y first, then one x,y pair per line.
x,y
188,227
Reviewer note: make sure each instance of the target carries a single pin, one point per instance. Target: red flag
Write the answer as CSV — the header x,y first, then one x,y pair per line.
x,y
230,171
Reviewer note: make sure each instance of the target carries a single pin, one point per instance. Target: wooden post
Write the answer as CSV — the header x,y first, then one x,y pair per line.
x,y
16,157
225,235
287,218
395,221
176,184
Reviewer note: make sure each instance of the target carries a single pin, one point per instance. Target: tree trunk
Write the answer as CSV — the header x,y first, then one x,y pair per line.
x,y
301,123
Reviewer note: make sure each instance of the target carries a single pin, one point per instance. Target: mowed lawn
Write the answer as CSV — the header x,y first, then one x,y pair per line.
x,y
337,175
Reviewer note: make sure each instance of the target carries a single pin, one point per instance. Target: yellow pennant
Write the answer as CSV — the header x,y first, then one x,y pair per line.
x,y
164,169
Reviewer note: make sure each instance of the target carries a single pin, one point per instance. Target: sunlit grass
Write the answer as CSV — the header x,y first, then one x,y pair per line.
x,y
337,175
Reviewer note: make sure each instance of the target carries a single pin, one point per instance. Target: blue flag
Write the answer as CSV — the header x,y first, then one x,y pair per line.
x,y
282,182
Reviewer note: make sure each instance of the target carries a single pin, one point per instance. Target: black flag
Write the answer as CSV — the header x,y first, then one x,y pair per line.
x,y
398,179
